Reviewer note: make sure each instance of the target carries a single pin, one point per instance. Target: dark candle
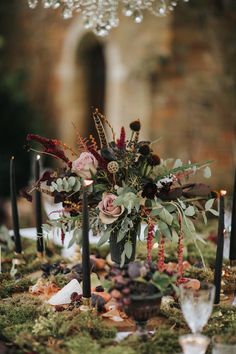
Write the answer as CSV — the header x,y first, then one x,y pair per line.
x,y
220,248
85,248
15,218
38,209
232,250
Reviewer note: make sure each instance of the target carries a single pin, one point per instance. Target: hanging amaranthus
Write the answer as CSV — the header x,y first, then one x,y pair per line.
x,y
62,236
149,240
180,254
161,254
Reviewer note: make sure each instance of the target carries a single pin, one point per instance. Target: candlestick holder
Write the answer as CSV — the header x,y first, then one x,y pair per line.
x,y
77,257
86,304
223,297
41,257
233,268
233,264
19,258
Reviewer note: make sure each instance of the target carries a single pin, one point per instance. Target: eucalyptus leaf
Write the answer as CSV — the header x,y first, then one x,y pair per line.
x,y
178,163
128,249
59,182
214,212
165,216
209,204
199,238
157,235
77,186
190,211
145,232
75,236
170,207
204,217
120,236
122,258
207,172
71,181
188,228
164,229
104,238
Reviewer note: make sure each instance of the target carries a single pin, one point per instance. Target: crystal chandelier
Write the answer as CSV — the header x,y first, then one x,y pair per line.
x,y
102,15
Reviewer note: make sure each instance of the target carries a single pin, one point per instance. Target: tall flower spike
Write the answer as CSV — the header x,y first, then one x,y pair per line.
x,y
180,254
161,254
149,240
100,129
121,141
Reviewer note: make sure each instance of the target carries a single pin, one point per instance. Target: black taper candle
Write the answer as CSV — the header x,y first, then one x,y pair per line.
x,y
232,249
220,249
38,209
15,217
85,248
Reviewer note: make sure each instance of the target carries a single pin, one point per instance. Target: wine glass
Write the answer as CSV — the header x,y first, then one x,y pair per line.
x,y
196,306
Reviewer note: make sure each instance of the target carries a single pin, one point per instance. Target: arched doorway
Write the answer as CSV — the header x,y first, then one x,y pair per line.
x,y
91,64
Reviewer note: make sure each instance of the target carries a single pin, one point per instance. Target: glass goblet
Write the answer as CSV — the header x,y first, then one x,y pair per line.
x,y
197,306
194,343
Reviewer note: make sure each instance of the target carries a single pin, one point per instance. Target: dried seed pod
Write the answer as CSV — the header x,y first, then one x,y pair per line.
x,y
113,167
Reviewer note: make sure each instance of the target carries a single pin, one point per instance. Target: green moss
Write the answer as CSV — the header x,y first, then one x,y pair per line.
x,y
118,349
83,344
202,274
101,251
18,313
9,287
60,280
53,253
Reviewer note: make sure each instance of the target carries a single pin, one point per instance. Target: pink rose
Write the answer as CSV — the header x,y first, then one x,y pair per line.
x,y
85,166
108,211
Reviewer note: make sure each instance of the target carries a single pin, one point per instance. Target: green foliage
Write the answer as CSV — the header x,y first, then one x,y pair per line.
x,y
9,287
202,274
17,314
66,184
83,344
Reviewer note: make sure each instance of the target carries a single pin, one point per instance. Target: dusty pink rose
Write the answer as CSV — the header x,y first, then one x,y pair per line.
x,y
85,166
108,211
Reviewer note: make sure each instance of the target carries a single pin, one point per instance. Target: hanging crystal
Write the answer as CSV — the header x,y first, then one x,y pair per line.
x,y
102,15
32,4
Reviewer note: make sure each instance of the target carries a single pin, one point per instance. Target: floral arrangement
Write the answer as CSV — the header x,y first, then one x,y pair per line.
x,y
131,186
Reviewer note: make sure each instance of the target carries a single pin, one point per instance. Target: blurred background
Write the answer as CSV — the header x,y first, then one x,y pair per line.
x,y
177,74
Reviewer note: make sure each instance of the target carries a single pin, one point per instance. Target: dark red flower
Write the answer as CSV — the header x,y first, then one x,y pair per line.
x,y
24,193
154,160
135,126
50,147
149,190
144,150
121,141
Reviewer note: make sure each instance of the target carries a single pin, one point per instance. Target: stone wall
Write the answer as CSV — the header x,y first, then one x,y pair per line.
x,y
176,73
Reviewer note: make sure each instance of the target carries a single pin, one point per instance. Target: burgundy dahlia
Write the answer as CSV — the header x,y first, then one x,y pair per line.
x,y
149,190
